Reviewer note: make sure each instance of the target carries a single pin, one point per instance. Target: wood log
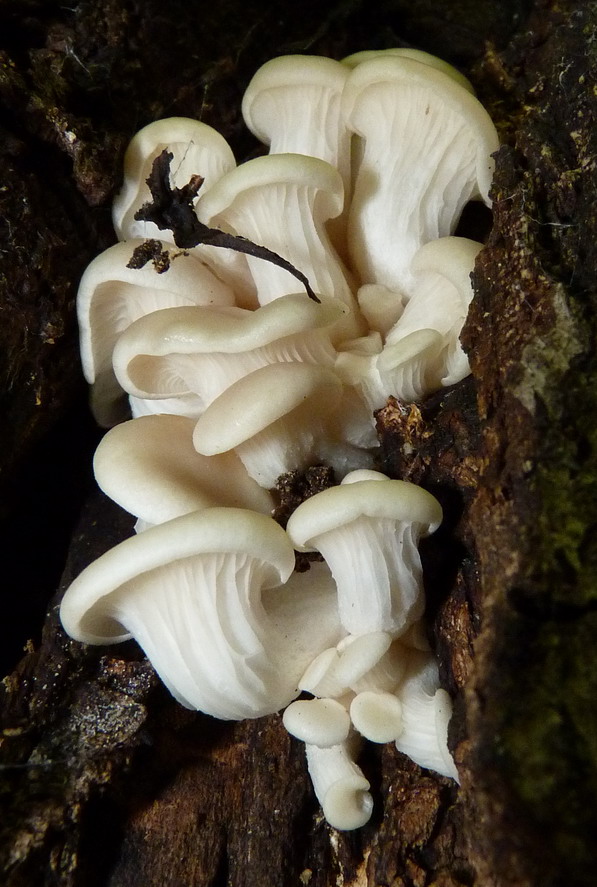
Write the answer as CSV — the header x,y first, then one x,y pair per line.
x,y
105,780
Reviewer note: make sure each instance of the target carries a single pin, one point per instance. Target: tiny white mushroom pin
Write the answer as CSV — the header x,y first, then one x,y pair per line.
x,y
337,670
321,722
368,531
340,785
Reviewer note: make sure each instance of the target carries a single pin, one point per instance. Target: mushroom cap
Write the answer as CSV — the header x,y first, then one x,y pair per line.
x,y
450,257
295,170
187,281
172,352
336,670
151,469
449,96
85,610
199,150
418,55
321,722
258,400
394,499
287,78
377,716
139,352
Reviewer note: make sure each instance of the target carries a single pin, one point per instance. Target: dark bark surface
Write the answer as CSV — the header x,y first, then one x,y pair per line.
x,y
104,780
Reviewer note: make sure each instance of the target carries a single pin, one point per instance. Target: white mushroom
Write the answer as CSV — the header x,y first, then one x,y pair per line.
x,y
150,467
422,350
339,784
408,370
441,294
204,350
201,594
111,296
321,722
368,531
427,151
282,202
337,670
197,149
279,418
426,713
377,715
292,104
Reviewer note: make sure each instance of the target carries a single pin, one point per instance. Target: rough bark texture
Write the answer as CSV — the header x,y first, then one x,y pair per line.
x,y
105,781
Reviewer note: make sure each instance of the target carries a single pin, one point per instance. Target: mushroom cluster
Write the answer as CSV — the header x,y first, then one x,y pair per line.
x,y
234,378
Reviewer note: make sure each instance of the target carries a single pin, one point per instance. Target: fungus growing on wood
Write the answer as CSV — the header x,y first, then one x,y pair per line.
x,y
277,382
367,532
192,592
112,294
427,151
150,467
178,352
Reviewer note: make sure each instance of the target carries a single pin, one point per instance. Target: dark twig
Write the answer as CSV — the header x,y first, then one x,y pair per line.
x,y
172,208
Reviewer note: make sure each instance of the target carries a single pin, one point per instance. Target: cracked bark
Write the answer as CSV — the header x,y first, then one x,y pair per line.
x,y
105,780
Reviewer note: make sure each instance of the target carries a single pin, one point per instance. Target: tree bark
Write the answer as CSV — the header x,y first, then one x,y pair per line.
x,y
105,781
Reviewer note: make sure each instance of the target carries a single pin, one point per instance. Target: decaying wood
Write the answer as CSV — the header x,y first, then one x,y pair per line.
x,y
105,780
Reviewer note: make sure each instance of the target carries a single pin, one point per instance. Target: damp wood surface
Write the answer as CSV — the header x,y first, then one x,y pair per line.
x,y
104,780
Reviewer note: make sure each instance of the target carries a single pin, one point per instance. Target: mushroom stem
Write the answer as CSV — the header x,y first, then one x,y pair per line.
x,y
339,784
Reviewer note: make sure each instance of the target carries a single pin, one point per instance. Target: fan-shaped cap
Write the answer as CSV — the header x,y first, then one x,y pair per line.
x,y
283,86
260,399
151,469
441,89
337,506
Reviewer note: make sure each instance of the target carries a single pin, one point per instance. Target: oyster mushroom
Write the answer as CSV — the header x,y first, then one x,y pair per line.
x,y
150,467
292,104
422,350
426,713
367,532
441,294
377,715
204,350
210,598
282,202
429,158
277,419
339,784
112,295
338,670
321,722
